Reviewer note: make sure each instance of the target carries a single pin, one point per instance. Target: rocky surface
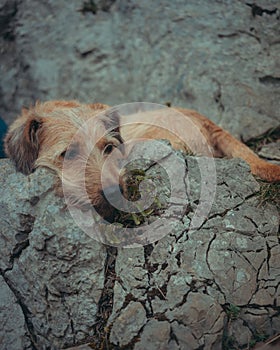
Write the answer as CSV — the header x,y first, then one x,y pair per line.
x,y
213,281
221,59
271,151
38,239
207,284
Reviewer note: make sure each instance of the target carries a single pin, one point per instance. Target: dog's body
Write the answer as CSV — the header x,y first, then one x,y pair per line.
x,y
42,134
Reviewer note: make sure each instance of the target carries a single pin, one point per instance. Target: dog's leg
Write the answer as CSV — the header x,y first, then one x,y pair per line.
x,y
225,145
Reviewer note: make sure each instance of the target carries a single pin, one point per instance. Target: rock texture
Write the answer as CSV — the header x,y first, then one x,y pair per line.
x,y
213,281
213,286
221,59
38,239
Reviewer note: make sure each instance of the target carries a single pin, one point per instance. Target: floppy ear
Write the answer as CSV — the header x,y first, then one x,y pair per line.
x,y
22,142
111,120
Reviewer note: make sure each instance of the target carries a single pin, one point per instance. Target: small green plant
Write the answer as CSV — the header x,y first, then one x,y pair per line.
x,y
252,343
261,337
258,337
134,178
232,311
229,343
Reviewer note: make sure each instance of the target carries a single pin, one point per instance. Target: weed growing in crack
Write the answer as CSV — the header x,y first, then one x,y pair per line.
x,y
269,193
232,312
134,219
229,343
258,337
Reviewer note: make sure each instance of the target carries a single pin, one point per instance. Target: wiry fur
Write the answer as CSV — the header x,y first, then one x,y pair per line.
x,y
43,132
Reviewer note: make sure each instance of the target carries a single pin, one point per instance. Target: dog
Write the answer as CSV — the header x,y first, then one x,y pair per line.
x,y
53,134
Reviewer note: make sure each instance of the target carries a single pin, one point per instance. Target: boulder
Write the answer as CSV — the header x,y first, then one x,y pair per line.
x,y
211,280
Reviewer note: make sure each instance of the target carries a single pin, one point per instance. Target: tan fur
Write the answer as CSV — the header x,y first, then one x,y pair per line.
x,y
43,132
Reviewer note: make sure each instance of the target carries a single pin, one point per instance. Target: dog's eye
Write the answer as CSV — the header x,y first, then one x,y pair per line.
x,y
109,148
70,154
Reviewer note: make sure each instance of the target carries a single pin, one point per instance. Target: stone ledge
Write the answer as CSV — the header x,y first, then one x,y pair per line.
x,y
217,284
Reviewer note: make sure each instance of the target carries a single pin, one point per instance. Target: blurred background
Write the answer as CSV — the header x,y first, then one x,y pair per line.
x,y
220,57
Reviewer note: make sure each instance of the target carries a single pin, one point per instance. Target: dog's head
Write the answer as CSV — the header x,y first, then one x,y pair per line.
x,y
81,143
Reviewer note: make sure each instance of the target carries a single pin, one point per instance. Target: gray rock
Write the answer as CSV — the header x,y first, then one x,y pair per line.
x,y
156,334
13,333
128,325
271,151
55,270
221,59
198,286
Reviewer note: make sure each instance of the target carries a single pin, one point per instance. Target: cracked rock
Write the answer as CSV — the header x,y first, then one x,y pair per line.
x,y
11,314
57,277
128,324
197,287
271,151
155,335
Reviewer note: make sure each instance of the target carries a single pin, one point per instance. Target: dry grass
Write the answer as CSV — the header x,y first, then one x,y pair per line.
x,y
269,193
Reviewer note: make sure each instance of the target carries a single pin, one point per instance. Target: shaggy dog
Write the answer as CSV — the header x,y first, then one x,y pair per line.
x,y
67,137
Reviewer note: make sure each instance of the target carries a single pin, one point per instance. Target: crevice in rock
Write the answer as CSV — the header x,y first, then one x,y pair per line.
x,y
242,257
27,224
252,221
18,249
271,135
224,213
159,291
133,341
268,249
172,336
259,11
148,249
269,80
214,282
231,313
218,96
207,253
93,6
128,298
26,313
178,258
105,304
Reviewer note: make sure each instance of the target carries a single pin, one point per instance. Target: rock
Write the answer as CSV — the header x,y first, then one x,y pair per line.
x,y
155,335
211,280
55,270
271,151
111,53
13,333
128,325
198,313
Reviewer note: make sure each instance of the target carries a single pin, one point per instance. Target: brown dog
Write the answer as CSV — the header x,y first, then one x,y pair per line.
x,y
48,135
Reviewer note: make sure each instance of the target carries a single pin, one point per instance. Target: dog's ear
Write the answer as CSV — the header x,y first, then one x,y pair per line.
x,y
22,142
111,121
